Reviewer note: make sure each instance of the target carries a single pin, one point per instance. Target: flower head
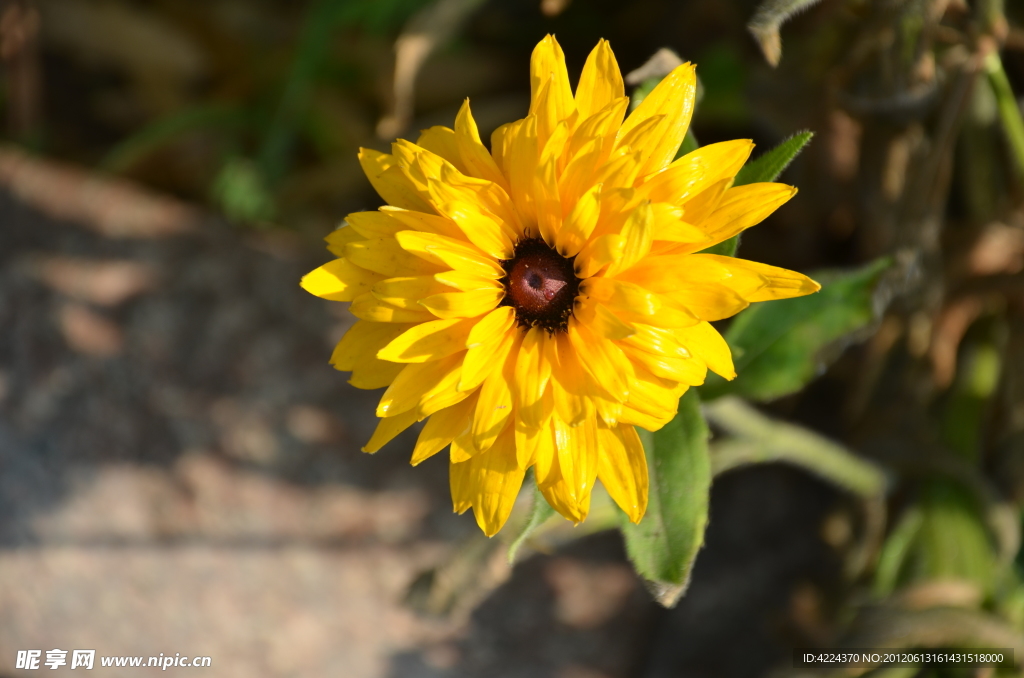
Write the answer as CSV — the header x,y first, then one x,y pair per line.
x,y
538,301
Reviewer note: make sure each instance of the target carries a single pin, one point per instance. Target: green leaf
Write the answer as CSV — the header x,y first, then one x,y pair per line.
x,y
768,166
896,550
241,191
725,248
664,545
689,144
540,511
780,346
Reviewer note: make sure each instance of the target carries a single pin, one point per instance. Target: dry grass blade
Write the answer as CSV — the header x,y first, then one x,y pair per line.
x,y
426,31
113,208
770,16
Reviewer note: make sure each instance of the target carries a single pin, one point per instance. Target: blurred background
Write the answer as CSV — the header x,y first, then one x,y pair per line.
x,y
179,465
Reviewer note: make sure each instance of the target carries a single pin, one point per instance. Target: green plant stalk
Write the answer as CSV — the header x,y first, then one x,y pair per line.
x,y
1009,110
761,439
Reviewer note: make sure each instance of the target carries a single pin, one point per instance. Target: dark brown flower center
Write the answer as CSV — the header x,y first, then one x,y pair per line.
x,y
540,285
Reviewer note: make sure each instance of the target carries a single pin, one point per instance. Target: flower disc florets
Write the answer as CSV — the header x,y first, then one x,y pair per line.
x,y
541,285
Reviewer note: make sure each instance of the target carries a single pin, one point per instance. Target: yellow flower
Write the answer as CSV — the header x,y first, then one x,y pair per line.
x,y
537,302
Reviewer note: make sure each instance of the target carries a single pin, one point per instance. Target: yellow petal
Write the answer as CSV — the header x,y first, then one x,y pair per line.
x,y
392,185
362,341
415,382
454,186
621,296
491,480
445,392
494,409
708,301
521,158
492,326
598,253
697,171
670,226
463,304
537,449
776,283
689,370
605,361
427,223
480,227
374,373
622,468
577,461
449,252
579,174
341,236
601,81
600,125
441,429
601,321
483,359
369,225
578,226
533,370
742,207
654,395
570,384
499,146
474,155
674,98
546,195
339,280
441,141
462,448
704,341
556,492
427,341
656,340
466,282
386,256
407,292
638,235
548,72
528,439
643,134
387,429
368,307
621,170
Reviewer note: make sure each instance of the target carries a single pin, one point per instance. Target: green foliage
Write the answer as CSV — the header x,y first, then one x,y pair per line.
x,y
664,545
1009,110
941,537
767,167
375,16
540,511
240,190
723,76
779,347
